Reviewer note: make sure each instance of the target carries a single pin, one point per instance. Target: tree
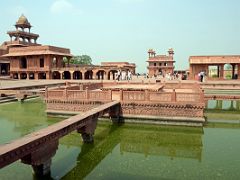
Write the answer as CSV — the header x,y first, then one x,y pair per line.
x,y
83,59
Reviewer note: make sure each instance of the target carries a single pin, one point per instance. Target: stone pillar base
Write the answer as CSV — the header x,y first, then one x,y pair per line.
x,y
42,169
87,138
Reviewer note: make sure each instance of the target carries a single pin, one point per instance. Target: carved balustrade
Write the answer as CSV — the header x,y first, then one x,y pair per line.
x,y
133,95
54,94
155,96
160,96
100,95
188,97
76,95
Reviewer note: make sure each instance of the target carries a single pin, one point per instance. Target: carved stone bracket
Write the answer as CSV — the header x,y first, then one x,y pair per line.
x,y
41,158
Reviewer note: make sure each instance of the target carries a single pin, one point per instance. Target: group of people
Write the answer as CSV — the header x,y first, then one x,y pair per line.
x,y
123,75
168,76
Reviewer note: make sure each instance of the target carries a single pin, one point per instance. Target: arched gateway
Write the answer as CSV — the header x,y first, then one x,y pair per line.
x,y
215,67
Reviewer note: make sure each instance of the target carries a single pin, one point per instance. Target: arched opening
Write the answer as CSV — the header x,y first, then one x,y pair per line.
x,y
77,75
23,76
23,63
112,74
124,74
100,74
31,76
213,71
228,71
42,75
54,62
15,75
4,69
66,75
88,74
56,75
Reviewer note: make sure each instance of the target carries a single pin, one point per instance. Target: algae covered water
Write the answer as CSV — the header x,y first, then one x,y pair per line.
x,y
128,151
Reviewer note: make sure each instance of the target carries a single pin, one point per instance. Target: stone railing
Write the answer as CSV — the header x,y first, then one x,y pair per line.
x,y
54,94
160,97
180,85
86,95
152,96
189,97
75,94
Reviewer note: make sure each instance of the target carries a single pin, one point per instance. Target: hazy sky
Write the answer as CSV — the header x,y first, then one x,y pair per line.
x,y
123,30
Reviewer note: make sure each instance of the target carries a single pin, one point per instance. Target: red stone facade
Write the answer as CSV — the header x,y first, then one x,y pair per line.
x,y
134,103
29,60
160,64
204,63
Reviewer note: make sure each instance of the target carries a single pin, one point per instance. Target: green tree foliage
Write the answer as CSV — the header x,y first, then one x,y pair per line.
x,y
83,59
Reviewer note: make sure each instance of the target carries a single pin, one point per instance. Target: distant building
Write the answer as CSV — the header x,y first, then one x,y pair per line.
x,y
23,58
160,64
215,67
29,60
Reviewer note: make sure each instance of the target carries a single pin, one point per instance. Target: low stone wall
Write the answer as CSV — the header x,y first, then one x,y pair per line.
x,y
179,105
74,105
163,109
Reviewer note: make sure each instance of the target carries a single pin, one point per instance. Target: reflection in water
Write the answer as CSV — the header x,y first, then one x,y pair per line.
x,y
130,151
228,105
223,110
23,118
174,142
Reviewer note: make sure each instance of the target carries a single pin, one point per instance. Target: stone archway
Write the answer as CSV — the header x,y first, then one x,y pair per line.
x,y
56,75
77,75
42,75
112,74
228,69
66,75
23,75
15,76
88,74
100,74
31,75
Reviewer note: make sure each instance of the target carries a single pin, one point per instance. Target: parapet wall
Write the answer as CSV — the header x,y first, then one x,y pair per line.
x,y
172,103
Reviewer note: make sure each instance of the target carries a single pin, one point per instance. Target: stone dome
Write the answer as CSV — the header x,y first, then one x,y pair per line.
x,y
23,21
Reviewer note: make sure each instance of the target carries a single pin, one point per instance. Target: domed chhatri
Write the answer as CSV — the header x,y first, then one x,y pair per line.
x,y
23,22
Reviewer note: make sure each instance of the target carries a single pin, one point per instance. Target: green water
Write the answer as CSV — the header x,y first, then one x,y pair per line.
x,y
129,151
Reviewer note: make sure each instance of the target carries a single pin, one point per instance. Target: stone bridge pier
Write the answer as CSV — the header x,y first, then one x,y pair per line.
x,y
88,130
41,159
38,148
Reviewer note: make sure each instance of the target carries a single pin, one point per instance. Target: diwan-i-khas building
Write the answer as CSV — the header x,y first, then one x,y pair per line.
x,y
160,64
23,58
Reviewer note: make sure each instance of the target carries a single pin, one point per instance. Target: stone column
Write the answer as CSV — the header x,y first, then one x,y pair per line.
x,y
221,71
47,75
61,74
94,75
88,130
111,75
71,74
83,74
238,71
35,75
106,75
233,70
40,158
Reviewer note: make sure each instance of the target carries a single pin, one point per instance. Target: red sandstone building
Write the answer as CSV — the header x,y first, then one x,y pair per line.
x,y
160,64
23,58
215,67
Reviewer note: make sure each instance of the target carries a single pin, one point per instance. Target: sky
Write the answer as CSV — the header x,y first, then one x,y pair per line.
x,y
124,30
